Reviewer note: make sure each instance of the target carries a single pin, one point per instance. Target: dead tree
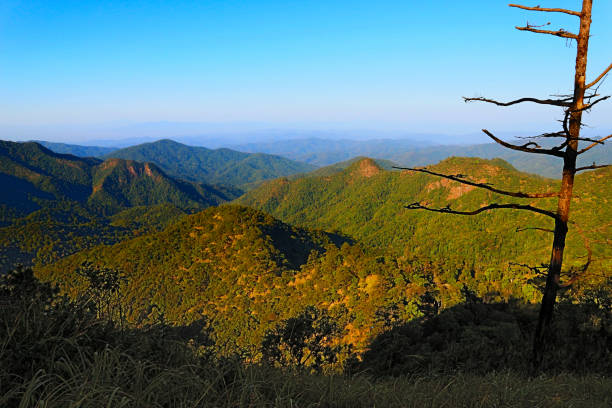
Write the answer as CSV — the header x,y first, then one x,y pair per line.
x,y
584,97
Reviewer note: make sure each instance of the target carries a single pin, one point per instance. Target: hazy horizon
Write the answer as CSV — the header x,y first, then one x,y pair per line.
x,y
81,71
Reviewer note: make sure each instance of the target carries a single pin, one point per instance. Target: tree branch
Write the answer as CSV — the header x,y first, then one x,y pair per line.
x,y
595,143
592,167
459,179
558,33
538,270
494,206
555,102
551,10
599,77
534,228
524,148
591,104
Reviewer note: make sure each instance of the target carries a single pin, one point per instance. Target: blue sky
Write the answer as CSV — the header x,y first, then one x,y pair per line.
x,y
382,64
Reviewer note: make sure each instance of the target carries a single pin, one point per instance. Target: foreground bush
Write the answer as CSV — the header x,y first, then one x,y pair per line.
x,y
55,353
480,338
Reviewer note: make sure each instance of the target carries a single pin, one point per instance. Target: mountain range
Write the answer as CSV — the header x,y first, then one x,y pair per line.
x,y
32,175
338,239
408,153
367,203
55,204
220,166
231,167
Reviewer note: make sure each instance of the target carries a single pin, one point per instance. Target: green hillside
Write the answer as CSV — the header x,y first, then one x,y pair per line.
x,y
367,203
243,272
66,227
220,166
340,166
33,176
118,184
53,205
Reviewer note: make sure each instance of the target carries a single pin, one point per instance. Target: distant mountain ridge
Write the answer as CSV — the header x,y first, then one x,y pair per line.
x,y
220,166
323,152
76,150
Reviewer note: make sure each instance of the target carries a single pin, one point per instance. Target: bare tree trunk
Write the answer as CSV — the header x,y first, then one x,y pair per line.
x,y
567,185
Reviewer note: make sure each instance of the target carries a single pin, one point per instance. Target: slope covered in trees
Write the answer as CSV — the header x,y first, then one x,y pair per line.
x,y
33,176
53,204
367,203
58,230
220,166
244,272
240,273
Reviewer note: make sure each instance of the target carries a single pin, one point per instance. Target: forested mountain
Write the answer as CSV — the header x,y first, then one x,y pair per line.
x,y
33,176
54,204
368,203
76,150
243,272
220,166
340,166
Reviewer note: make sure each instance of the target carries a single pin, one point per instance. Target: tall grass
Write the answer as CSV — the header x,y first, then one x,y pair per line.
x,y
63,357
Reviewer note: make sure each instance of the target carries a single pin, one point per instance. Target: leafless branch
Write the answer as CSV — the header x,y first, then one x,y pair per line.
x,y
599,77
538,270
566,117
555,102
544,135
592,167
558,33
551,10
494,206
534,228
559,135
459,178
524,148
591,104
595,143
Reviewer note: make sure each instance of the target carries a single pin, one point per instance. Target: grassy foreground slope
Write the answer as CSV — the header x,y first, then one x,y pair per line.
x,y
368,203
84,362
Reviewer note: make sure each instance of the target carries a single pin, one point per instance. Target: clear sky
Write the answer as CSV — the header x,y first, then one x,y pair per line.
x,y
312,64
